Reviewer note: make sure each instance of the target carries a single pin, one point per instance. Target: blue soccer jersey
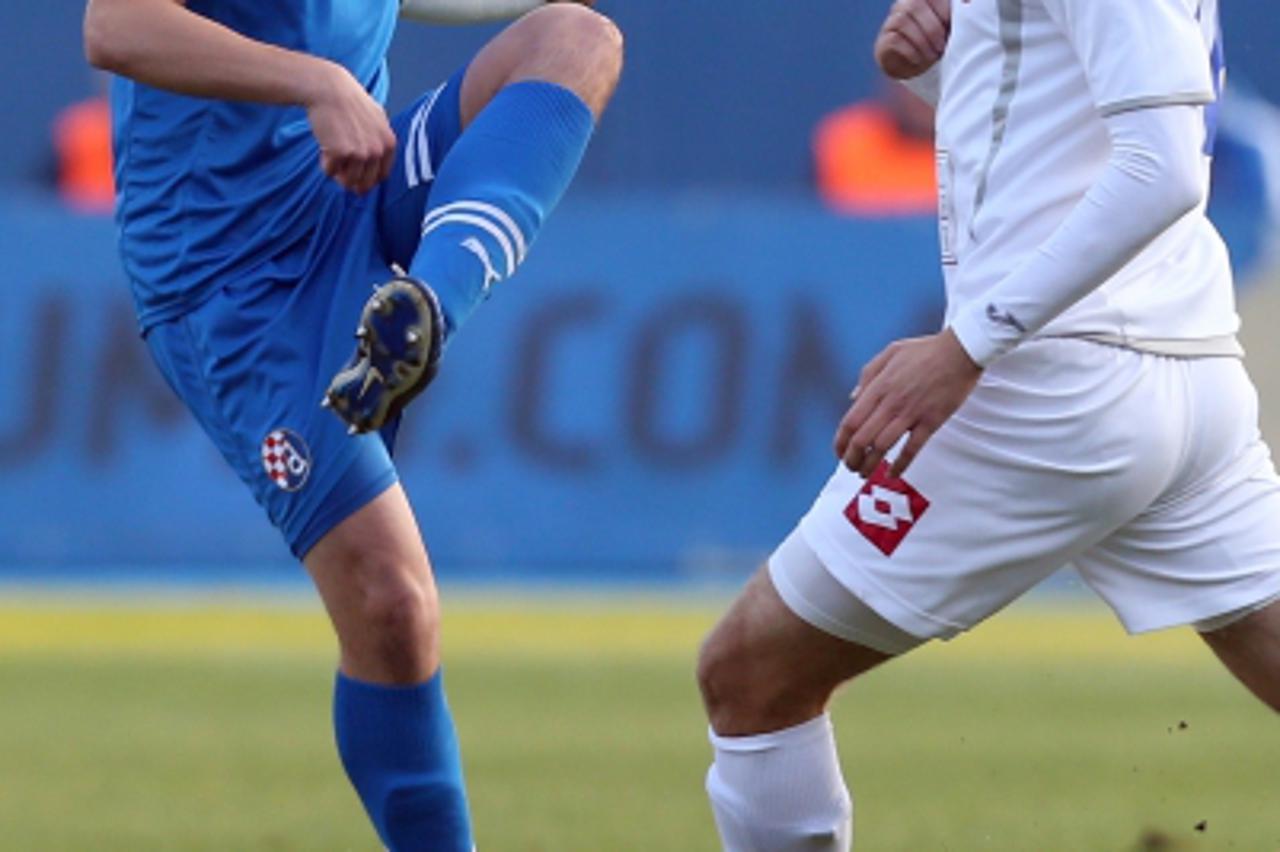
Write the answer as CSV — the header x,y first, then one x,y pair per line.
x,y
214,192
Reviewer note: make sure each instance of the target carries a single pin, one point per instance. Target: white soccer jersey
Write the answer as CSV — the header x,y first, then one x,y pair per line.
x,y
1025,88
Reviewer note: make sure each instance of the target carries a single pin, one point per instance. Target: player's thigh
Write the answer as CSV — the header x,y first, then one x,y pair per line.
x,y
562,43
1250,648
252,364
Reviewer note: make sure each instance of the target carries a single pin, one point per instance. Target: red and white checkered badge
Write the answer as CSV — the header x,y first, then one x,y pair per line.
x,y
286,459
885,510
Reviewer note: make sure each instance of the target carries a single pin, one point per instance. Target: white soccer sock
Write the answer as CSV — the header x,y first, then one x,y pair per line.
x,y
781,792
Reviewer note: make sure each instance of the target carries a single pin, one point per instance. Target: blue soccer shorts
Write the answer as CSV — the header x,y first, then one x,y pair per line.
x,y
254,360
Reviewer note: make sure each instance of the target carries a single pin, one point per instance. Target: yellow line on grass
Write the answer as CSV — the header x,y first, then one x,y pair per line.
x,y
544,627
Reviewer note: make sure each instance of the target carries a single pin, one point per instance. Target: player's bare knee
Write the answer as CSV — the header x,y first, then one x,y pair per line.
x,y
742,693
574,47
401,609
723,680
400,623
712,673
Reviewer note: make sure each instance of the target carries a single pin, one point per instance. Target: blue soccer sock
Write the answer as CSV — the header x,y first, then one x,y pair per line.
x,y
400,751
494,189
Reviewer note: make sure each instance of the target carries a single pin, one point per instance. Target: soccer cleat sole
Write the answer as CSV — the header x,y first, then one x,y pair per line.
x,y
397,355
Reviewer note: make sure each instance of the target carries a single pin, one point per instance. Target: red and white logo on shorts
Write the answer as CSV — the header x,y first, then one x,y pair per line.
x,y
885,510
286,459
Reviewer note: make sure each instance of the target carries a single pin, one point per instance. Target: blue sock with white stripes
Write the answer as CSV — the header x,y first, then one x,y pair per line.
x,y
400,751
495,187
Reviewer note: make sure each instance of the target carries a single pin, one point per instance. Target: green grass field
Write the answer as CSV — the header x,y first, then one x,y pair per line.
x,y
206,727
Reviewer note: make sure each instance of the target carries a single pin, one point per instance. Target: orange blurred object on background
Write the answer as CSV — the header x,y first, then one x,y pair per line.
x,y
866,165
82,139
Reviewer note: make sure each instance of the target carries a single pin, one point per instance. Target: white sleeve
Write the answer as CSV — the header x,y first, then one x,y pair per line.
x,y
1141,53
1154,177
465,11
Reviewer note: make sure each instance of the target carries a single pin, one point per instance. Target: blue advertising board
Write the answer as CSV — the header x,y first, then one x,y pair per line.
x,y
652,397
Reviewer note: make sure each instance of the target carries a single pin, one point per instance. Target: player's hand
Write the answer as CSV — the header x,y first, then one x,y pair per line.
x,y
912,387
357,146
913,37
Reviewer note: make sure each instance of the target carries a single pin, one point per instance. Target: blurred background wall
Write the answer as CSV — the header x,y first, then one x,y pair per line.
x,y
715,95
651,399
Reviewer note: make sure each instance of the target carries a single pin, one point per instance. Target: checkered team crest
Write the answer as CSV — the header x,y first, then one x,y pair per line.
x,y
286,459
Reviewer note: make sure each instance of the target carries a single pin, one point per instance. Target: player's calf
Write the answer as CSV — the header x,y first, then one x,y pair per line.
x,y
392,723
1250,649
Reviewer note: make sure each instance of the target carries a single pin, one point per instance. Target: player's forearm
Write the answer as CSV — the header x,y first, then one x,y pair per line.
x,y
1153,179
163,44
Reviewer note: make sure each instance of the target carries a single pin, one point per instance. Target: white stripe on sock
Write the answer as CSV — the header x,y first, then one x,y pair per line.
x,y
482,223
497,213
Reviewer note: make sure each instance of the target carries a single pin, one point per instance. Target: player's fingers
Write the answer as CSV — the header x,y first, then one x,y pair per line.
x,y
388,161
339,167
367,173
848,424
329,164
383,152
867,415
872,370
349,174
919,436
880,447
897,57
365,164
856,419
851,454
852,457
861,442
914,34
871,458
941,10
933,30
843,433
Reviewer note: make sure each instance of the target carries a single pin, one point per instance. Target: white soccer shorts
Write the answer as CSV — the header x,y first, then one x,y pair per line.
x,y
1147,473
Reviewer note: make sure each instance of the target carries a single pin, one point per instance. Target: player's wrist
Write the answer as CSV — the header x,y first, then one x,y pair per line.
x,y
970,329
318,80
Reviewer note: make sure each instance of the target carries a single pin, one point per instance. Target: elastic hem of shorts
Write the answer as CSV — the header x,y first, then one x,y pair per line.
x,y
1217,622
338,511
885,604
809,612
1213,607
